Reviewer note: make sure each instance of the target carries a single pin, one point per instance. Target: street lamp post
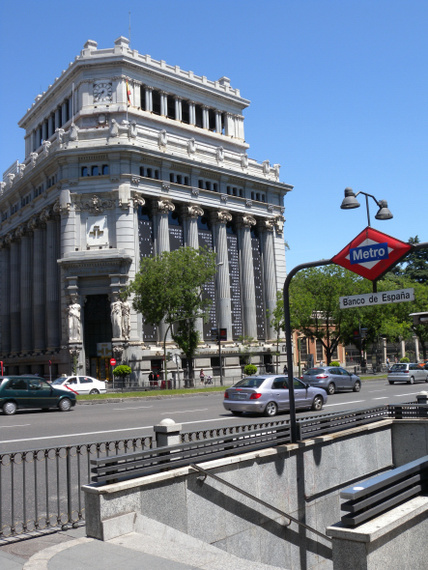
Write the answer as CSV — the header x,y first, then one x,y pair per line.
x,y
350,202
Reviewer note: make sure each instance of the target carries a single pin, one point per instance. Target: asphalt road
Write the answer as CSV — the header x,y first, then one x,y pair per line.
x,y
28,430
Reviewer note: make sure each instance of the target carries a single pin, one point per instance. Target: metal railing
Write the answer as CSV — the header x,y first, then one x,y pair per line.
x,y
40,489
372,497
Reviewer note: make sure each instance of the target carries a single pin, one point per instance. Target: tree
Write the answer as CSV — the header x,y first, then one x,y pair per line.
x,y
276,319
314,304
169,288
414,265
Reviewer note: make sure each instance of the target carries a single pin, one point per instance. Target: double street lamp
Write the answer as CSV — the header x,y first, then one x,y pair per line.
x,y
350,202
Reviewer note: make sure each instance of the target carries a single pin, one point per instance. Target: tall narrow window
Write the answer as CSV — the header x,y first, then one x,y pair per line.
x,y
185,112
198,113
94,171
105,169
156,102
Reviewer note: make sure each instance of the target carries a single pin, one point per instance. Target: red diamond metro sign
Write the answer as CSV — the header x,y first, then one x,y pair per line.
x,y
371,253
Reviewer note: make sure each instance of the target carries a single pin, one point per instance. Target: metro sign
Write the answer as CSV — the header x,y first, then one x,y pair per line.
x,y
371,253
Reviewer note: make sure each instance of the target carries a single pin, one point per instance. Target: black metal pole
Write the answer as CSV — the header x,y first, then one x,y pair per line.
x,y
288,341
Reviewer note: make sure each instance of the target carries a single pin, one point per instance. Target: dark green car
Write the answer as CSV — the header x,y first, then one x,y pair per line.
x,y
32,392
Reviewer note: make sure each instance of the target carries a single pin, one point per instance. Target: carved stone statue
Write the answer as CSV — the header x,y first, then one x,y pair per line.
x,y
126,322
116,318
114,128
74,320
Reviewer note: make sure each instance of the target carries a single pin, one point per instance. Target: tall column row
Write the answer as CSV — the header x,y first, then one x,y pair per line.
x,y
30,293
246,224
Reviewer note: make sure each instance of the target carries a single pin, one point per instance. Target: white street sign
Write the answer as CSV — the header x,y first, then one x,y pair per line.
x,y
380,298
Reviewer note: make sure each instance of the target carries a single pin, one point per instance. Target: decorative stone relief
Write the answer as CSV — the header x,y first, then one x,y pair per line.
x,y
73,133
195,211
114,129
270,224
279,224
133,129
276,168
224,216
33,158
165,206
248,221
10,178
96,205
97,232
223,198
166,186
21,169
220,154
116,317
266,167
2,187
248,203
195,192
191,147
46,147
60,135
244,160
162,139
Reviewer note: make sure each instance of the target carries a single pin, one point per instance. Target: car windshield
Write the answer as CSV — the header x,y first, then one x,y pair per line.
x,y
250,382
59,381
399,367
314,371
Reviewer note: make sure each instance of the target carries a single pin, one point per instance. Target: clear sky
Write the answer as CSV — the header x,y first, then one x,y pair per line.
x,y
338,92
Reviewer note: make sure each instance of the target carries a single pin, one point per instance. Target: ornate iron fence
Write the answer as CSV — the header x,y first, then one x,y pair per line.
x,y
40,489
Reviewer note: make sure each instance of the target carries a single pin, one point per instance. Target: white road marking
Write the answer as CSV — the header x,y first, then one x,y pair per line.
x,y
354,402
228,418
16,425
132,408
382,398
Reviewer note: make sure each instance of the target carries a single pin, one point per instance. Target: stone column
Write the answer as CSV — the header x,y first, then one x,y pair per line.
x,y
52,282
164,207
164,104
178,109
205,118
247,271
26,289
38,304
5,304
218,122
192,113
224,304
15,295
269,274
193,213
149,98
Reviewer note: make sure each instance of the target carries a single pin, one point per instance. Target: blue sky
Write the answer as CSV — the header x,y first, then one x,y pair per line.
x,y
338,92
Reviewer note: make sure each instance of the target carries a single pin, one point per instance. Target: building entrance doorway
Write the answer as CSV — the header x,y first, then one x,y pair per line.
x,y
97,336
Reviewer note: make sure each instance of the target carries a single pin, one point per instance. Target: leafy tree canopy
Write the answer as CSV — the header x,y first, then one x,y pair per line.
x,y
170,288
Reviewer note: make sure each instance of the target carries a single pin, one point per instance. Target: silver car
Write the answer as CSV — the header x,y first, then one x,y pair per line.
x,y
409,372
268,394
332,379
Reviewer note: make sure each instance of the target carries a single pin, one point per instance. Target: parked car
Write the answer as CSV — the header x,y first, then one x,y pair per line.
x,y
32,392
269,394
409,372
80,384
332,379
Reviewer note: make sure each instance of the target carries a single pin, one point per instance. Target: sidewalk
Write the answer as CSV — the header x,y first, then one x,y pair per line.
x,y
72,550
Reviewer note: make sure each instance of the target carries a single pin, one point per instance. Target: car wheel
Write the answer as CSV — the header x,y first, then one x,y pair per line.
x,y
391,382
271,409
357,386
64,405
331,389
317,403
412,380
94,391
9,408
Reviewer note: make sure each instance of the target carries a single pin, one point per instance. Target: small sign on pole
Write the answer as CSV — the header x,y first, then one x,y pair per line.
x,y
112,362
380,298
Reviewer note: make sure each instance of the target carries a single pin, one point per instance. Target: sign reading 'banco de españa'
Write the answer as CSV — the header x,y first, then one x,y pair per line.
x,y
381,298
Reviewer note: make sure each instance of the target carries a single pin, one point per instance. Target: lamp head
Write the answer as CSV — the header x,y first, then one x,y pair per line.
x,y
384,212
349,201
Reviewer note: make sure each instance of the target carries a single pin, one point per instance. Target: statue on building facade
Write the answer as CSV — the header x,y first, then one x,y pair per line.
x,y
73,311
116,318
126,320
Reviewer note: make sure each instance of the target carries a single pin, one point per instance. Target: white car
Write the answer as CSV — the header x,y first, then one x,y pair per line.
x,y
80,384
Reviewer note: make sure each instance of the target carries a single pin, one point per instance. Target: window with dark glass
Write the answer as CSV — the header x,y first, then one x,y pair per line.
x,y
156,102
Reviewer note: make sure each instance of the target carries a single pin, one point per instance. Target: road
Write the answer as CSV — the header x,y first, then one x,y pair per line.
x,y
134,418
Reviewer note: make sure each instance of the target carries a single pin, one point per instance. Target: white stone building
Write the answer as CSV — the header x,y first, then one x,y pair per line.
x,y
126,157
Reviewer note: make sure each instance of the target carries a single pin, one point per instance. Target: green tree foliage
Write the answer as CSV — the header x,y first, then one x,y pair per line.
x,y
169,288
314,304
276,319
414,265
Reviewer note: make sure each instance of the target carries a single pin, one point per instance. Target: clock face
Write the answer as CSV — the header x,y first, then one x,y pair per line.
x,y
102,92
